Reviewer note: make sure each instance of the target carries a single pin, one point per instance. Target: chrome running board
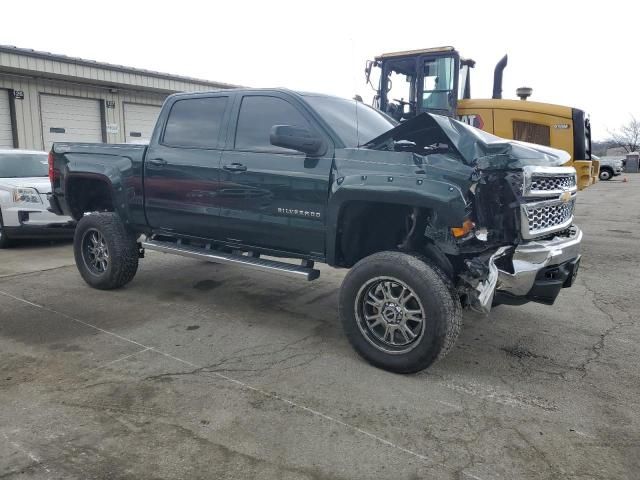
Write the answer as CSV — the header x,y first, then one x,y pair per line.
x,y
282,268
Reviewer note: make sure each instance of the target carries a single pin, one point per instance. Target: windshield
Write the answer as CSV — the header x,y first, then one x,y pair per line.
x,y
21,165
354,128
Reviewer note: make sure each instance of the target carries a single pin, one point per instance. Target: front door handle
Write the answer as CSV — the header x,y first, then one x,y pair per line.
x,y
235,167
158,162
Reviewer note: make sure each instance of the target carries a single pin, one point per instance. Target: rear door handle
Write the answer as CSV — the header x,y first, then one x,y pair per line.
x,y
235,167
158,162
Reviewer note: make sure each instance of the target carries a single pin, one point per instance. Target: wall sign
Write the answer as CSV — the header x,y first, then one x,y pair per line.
x,y
111,104
18,94
112,128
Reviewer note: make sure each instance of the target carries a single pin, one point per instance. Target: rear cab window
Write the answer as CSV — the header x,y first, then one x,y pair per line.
x,y
258,114
195,122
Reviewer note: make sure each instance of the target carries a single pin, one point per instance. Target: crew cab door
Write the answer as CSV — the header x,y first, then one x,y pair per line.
x,y
273,197
182,166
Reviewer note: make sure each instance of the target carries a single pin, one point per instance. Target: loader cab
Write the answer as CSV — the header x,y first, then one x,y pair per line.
x,y
438,80
417,81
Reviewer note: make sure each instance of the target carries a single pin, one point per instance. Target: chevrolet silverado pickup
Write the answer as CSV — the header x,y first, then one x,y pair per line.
x,y
431,216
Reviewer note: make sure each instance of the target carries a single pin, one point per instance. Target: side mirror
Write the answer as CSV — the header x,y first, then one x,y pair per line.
x,y
296,138
367,71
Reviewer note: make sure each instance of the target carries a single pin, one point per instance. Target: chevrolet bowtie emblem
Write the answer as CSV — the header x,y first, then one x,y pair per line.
x,y
565,197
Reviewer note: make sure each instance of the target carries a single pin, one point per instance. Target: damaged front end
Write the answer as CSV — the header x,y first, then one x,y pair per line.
x,y
520,243
530,212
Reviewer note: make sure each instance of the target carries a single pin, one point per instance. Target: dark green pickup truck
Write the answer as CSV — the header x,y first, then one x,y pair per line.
x,y
430,215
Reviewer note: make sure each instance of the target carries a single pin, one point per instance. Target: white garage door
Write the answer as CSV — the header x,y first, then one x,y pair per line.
x,y
139,121
68,119
6,134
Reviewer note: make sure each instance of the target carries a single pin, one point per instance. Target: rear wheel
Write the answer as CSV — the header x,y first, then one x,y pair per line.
x,y
106,253
399,312
4,239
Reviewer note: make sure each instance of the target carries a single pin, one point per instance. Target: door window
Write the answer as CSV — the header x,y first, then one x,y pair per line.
x,y
400,85
258,114
438,83
195,122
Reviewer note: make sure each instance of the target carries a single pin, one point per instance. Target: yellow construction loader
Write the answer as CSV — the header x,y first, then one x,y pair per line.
x,y
438,80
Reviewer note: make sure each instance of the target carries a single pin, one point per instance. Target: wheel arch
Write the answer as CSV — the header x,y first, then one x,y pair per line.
x,y
94,192
348,206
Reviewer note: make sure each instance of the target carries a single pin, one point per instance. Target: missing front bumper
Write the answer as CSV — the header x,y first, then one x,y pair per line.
x,y
534,271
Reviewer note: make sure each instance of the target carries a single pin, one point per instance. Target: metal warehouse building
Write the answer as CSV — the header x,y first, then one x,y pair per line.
x,y
46,98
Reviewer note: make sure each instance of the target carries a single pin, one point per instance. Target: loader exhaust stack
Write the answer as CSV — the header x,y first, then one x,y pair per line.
x,y
497,77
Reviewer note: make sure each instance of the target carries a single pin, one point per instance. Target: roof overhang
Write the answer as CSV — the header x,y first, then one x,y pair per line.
x,y
36,64
414,53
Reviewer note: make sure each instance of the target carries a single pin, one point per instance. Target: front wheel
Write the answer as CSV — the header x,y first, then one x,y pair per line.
x,y
605,174
106,253
399,312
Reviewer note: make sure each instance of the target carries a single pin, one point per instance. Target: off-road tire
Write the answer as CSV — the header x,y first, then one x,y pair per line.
x,y
121,246
605,174
442,319
5,241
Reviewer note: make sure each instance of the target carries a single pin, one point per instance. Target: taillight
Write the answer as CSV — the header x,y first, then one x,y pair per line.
x,y
52,172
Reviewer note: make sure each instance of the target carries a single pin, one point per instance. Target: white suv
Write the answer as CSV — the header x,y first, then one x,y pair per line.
x,y
24,186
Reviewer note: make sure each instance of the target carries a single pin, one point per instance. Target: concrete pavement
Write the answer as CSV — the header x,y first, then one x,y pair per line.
x,y
210,371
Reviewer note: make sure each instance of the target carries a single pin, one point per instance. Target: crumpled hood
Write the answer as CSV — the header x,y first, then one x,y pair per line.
x,y
476,147
41,184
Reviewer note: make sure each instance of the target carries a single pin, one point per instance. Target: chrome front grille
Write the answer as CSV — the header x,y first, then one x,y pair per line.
x,y
549,200
549,181
547,216
545,184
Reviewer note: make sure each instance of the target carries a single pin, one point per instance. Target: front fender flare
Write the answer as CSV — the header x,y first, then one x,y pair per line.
x,y
445,199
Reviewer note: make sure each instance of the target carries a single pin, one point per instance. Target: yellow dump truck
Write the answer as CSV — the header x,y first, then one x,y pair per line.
x,y
438,80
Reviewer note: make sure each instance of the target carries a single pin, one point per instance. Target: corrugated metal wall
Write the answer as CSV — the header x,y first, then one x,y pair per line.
x,y
28,115
57,66
40,73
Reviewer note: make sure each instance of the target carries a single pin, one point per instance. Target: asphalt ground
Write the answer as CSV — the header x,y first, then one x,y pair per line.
x,y
196,370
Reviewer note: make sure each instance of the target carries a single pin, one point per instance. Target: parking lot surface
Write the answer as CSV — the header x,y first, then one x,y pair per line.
x,y
196,370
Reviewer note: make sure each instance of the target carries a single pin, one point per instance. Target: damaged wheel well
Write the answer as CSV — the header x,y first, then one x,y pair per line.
x,y
365,228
